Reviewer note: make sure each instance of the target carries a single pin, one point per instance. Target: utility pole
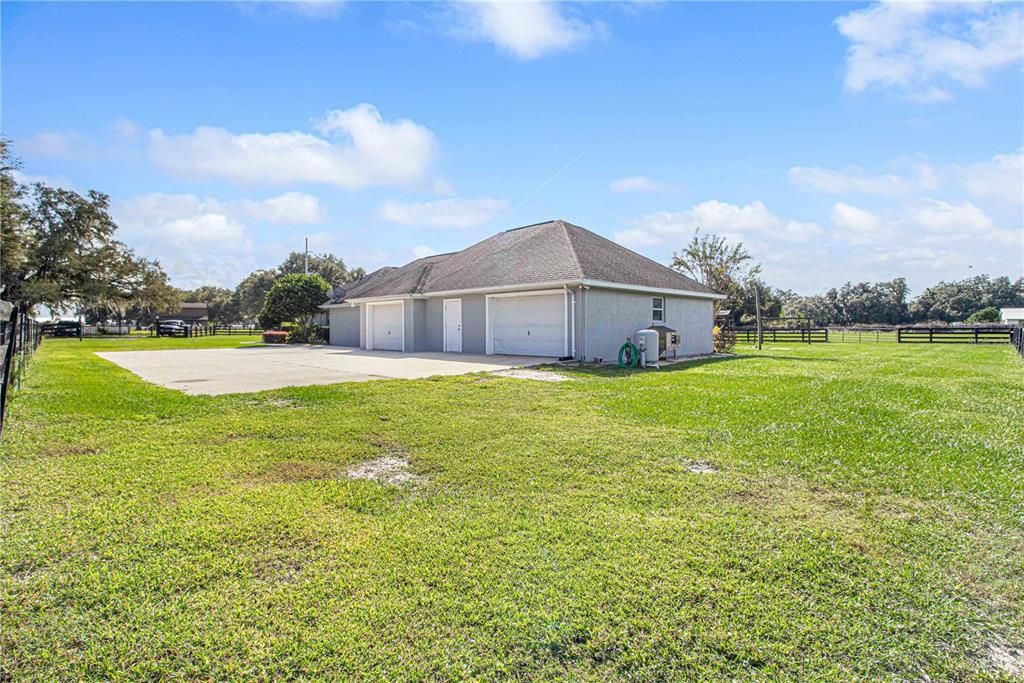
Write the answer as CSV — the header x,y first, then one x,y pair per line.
x,y
757,307
305,267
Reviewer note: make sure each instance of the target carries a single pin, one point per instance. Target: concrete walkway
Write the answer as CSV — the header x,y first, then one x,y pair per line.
x,y
256,368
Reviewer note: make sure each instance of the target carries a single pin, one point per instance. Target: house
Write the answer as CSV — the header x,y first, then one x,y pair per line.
x,y
550,289
193,313
1012,316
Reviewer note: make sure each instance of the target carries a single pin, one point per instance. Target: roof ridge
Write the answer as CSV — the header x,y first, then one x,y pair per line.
x,y
572,245
646,258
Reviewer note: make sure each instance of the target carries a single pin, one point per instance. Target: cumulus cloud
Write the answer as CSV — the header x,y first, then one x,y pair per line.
x,y
1002,178
527,29
934,215
355,148
856,225
719,217
203,241
443,213
922,49
639,183
854,179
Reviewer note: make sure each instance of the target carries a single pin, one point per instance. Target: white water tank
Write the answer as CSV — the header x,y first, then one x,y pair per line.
x,y
648,341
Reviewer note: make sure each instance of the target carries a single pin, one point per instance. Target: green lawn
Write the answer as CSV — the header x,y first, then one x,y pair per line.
x,y
865,522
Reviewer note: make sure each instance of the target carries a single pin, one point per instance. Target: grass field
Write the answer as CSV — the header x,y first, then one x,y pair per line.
x,y
864,522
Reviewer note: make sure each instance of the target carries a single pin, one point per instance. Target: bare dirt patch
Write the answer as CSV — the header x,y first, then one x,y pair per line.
x,y
1004,657
701,467
528,373
388,469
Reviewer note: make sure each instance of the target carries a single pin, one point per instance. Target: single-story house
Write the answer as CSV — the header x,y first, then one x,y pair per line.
x,y
551,289
1012,316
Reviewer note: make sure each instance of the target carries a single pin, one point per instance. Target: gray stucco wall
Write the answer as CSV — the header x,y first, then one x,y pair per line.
x,y
415,325
434,324
344,326
610,316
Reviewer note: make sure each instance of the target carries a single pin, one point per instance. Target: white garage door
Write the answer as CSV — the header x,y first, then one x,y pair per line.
x,y
386,324
529,325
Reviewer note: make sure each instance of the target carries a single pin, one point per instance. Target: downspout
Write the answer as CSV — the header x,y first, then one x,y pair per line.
x,y
572,318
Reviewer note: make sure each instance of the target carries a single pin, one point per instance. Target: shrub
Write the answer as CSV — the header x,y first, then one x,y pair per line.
x,y
306,333
274,337
985,315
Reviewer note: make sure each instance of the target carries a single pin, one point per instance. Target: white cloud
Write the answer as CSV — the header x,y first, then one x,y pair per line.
x,y
290,207
942,217
61,144
203,241
717,217
526,29
1001,179
443,213
857,226
422,251
639,183
356,148
924,48
854,179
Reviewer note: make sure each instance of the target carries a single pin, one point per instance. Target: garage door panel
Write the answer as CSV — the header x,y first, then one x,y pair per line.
x,y
529,325
387,327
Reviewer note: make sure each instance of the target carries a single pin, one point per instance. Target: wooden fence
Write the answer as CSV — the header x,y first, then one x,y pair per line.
x,y
802,335
954,335
1017,339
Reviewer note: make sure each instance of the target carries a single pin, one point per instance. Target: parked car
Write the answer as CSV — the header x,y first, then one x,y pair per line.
x,y
67,328
172,328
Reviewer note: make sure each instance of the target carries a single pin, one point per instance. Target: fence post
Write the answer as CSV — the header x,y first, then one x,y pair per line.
x,y
930,331
975,335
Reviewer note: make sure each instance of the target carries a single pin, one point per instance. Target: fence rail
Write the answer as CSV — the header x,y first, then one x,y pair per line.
x,y
803,335
19,337
954,335
1017,339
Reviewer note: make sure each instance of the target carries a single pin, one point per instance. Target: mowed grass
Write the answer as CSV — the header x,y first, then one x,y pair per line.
x,y
865,523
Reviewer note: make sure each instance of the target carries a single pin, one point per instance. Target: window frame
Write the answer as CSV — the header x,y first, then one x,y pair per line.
x,y
656,309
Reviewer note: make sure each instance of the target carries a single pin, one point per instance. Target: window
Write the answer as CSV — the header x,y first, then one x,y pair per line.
x,y
658,309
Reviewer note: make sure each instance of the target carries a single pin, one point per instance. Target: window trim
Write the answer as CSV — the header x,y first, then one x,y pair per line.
x,y
656,309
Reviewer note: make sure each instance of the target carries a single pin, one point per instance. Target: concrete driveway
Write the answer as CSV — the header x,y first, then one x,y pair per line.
x,y
256,368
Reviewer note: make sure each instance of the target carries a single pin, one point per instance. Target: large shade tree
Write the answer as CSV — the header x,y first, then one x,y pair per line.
x,y
711,260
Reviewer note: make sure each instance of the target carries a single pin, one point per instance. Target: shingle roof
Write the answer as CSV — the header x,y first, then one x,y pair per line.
x,y
554,251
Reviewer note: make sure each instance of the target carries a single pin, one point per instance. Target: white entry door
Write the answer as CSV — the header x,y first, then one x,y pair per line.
x,y
529,325
386,326
453,325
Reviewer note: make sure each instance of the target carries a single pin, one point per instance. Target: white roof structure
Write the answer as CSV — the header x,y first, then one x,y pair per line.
x,y
1012,313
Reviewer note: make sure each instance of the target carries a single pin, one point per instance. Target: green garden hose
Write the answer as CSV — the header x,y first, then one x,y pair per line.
x,y
629,355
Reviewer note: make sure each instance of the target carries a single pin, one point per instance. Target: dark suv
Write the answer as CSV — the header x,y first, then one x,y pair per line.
x,y
67,328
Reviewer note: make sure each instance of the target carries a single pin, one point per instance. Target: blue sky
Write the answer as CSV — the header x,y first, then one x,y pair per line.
x,y
837,141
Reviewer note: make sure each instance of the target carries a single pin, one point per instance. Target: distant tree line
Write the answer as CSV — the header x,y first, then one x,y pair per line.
x,y
729,269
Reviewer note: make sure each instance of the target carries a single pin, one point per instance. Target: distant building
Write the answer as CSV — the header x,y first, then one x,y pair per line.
x,y
1012,316
196,313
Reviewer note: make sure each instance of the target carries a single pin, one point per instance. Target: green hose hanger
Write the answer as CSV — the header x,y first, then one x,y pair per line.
x,y
629,355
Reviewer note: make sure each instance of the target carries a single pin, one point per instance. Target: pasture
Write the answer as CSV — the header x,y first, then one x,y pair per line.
x,y
806,512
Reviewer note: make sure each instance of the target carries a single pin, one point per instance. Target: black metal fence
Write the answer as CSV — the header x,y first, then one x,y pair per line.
x,y
19,337
954,335
1017,339
802,335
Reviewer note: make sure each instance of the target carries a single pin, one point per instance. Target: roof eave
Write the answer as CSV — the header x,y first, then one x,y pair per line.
x,y
604,284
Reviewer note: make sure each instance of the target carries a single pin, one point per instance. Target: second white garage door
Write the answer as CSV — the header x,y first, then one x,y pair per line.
x,y
528,325
386,326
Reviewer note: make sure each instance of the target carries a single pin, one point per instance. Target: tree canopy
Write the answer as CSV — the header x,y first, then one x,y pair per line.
x,y
295,297
712,261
